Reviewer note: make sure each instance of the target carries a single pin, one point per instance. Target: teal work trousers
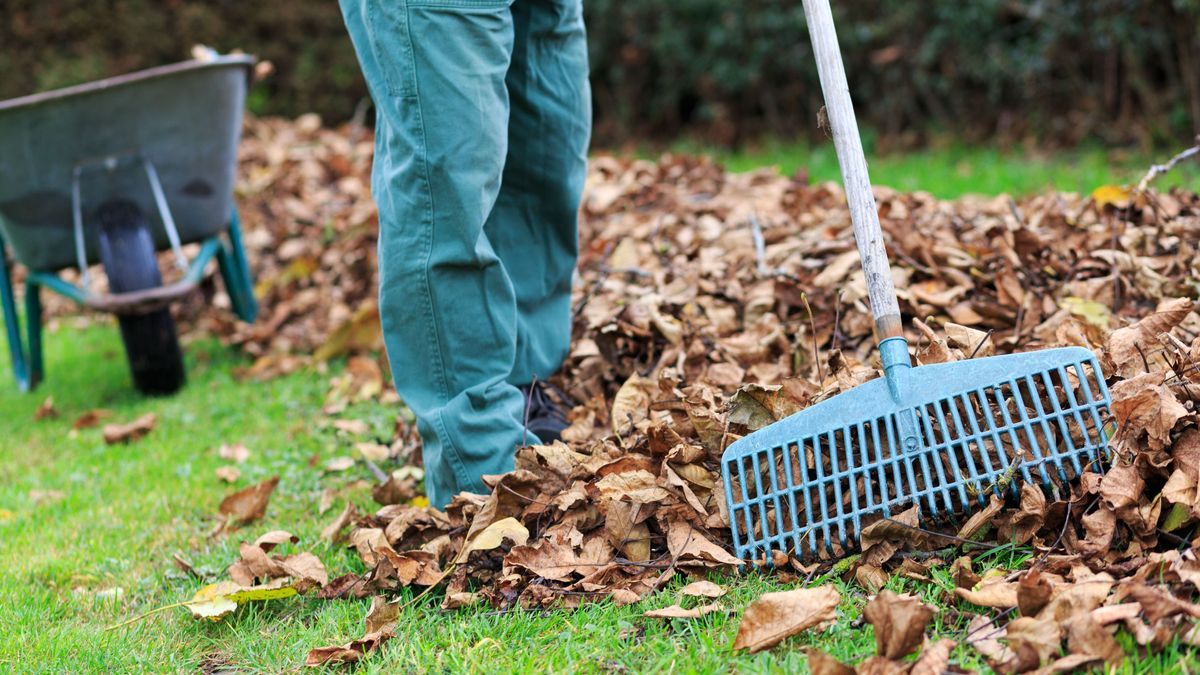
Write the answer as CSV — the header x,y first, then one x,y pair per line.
x,y
483,116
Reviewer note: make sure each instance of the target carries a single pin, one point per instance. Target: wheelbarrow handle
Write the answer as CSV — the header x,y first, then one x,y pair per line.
x,y
853,163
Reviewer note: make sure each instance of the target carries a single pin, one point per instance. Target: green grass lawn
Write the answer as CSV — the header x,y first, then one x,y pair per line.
x,y
954,170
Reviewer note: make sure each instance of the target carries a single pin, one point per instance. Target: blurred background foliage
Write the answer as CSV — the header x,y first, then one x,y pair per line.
x,y
1050,72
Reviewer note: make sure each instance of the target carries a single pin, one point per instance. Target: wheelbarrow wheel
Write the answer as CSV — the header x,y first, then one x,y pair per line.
x,y
151,343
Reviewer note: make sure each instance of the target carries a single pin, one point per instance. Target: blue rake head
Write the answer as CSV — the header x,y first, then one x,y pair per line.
x,y
940,436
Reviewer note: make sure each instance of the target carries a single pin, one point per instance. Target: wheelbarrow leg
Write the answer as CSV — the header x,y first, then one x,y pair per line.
x,y
33,326
235,272
12,323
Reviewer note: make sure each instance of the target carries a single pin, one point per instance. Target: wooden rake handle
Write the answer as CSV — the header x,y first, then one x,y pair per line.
x,y
853,163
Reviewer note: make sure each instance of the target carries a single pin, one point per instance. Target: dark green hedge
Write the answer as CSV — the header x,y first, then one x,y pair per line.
x,y
1059,70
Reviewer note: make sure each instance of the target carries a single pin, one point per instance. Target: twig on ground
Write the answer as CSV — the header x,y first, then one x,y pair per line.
x,y
981,343
760,250
760,253
812,324
375,470
1157,170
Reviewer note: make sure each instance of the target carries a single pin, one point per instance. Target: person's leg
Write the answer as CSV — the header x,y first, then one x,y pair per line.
x,y
533,227
436,70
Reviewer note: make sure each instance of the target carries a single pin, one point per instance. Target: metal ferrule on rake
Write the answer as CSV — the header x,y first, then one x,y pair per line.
x,y
940,437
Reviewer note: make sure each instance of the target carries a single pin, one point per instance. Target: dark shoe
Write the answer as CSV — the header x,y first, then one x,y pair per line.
x,y
546,409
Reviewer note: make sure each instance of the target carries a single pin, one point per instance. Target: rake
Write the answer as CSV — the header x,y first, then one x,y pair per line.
x,y
940,437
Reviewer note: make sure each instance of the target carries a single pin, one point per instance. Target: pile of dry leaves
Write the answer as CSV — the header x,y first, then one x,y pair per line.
x,y
710,304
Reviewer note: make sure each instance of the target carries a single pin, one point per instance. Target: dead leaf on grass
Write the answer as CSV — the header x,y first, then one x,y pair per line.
x,y
334,530
382,614
776,616
236,453
820,663
934,659
702,589
250,504
339,464
90,419
899,622
46,410
351,427
998,594
127,433
677,612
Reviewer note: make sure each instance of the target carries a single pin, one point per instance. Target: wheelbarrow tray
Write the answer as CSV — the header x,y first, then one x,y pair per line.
x,y
184,119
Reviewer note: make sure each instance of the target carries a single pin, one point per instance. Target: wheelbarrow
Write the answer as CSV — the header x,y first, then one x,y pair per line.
x,y
111,172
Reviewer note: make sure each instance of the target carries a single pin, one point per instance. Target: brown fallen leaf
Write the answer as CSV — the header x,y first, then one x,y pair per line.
x,y
1086,636
368,541
1146,406
899,622
690,546
352,427
871,577
46,496
334,529
410,567
249,504
126,433
677,612
981,518
400,487
382,614
1157,602
268,541
934,659
380,625
631,404
338,464
702,589
878,665
776,616
372,451
306,571
1127,347
90,419
1034,641
236,453
461,599
350,652
900,528
553,558
932,348
1071,663
301,571
820,663
1033,592
973,343
185,566
1121,486
229,474
998,594
1114,613
45,410
985,637
964,576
